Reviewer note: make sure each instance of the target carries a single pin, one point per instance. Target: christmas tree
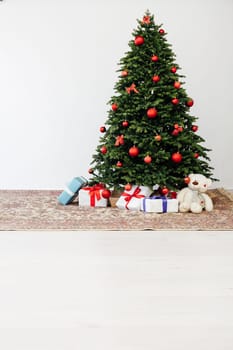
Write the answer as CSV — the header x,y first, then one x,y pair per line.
x,y
150,137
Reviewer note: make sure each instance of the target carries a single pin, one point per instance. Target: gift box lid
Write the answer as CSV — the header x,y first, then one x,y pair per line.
x,y
71,190
76,183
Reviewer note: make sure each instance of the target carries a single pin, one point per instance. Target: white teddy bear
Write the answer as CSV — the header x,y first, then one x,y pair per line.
x,y
193,198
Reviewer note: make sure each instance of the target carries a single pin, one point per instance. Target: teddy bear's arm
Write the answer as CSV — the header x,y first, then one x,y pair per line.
x,y
185,199
208,202
181,195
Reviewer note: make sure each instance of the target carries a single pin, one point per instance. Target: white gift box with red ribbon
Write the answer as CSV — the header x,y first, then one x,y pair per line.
x,y
92,196
131,200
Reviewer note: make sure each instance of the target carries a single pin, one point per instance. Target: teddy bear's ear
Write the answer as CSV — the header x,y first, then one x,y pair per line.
x,y
191,175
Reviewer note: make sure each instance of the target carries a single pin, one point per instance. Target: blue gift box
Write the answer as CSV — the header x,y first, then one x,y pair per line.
x,y
71,190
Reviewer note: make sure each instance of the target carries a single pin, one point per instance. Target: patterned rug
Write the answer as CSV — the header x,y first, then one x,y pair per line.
x,y
39,210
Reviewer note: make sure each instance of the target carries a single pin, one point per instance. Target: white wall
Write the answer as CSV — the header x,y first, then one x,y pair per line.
x,y
58,62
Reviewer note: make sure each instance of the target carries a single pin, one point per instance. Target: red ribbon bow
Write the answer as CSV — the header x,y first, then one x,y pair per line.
x,y
94,193
132,88
119,140
146,20
135,194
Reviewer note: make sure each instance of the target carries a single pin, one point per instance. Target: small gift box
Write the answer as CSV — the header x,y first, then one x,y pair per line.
x,y
159,204
132,199
92,196
71,190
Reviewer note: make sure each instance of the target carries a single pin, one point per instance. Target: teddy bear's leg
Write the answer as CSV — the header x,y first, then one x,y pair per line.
x,y
183,207
196,208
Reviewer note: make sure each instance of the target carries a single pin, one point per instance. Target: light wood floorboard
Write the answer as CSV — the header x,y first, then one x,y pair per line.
x,y
116,290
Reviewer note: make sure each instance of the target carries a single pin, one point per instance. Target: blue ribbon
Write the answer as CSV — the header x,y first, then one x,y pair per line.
x,y
164,202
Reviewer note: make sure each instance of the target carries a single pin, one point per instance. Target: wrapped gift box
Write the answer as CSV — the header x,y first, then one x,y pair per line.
x,y
132,199
158,204
92,196
71,190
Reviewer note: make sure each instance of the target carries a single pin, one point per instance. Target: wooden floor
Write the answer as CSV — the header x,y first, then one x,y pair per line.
x,y
116,290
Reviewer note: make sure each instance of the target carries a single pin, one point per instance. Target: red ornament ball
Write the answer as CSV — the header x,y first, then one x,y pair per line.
x,y
102,129
173,194
152,112
134,151
175,132
196,155
124,73
148,159
125,123
90,171
176,84
119,164
176,126
190,102
156,78
139,40
173,69
187,180
103,150
154,58
128,187
194,128
114,107
106,193
176,157
164,191
161,31
175,101
158,138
